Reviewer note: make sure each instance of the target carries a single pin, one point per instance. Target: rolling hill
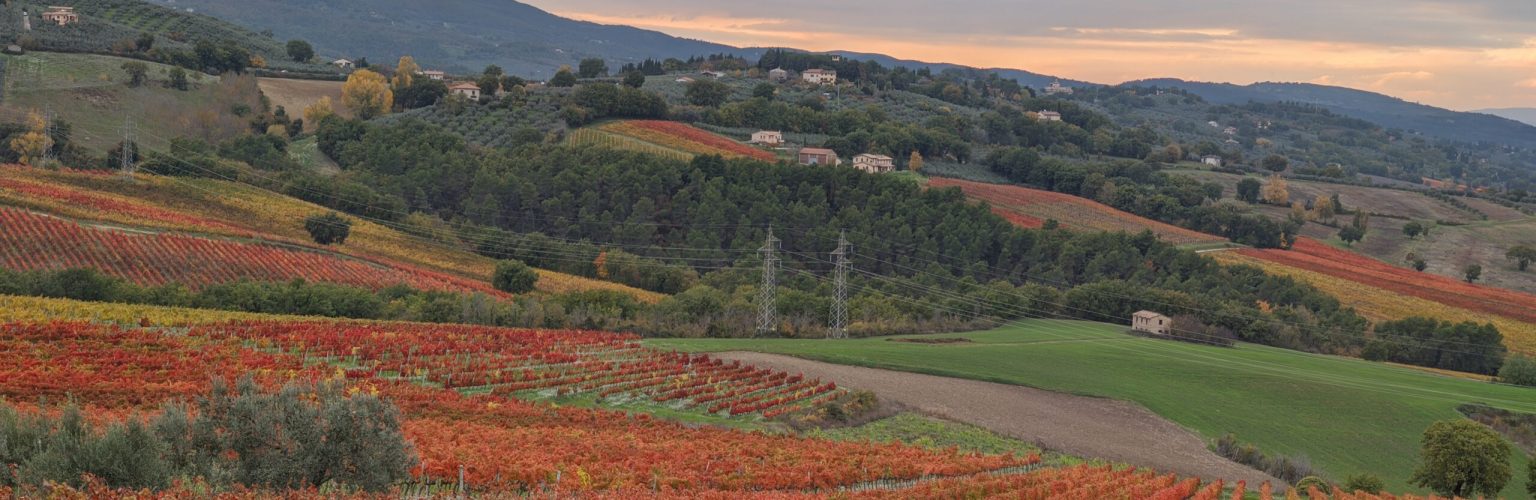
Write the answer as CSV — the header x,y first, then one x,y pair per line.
x,y
1523,115
466,35
1382,109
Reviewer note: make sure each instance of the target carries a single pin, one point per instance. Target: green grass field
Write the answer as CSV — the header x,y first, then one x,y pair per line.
x,y
90,93
1345,415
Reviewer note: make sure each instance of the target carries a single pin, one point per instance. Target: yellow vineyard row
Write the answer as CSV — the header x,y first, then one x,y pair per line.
x,y
1380,305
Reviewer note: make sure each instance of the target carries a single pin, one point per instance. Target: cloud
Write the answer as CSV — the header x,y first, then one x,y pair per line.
x,y
1527,84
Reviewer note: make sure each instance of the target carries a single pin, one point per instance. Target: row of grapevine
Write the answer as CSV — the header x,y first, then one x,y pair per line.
x,y
30,241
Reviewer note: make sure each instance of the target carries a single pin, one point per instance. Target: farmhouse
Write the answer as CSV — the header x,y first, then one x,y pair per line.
x,y
466,89
818,156
819,76
343,63
1229,131
1151,322
713,74
434,75
778,75
1057,88
684,79
873,163
1212,160
771,138
1047,116
61,15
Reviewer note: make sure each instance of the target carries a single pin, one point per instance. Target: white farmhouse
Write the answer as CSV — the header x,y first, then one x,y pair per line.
x,y
466,89
819,76
767,137
873,163
1057,88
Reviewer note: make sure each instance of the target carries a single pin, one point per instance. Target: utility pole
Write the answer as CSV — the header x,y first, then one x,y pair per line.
x,y
130,147
767,292
840,288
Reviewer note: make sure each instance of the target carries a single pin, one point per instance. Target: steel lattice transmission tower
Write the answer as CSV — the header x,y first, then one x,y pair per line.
x,y
840,287
767,292
48,132
130,148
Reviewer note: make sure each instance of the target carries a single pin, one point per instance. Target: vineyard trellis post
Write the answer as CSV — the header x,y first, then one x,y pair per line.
x,y
840,288
767,292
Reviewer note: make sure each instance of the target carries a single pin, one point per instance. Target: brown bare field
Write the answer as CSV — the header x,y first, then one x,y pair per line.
x,y
1077,425
295,95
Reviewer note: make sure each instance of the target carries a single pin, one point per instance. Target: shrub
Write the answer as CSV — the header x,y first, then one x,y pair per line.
x,y
1519,370
513,276
1365,482
328,229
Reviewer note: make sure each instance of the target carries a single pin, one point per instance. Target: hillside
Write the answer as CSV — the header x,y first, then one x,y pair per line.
x,y
1523,115
466,35
1385,110
1463,231
209,207
92,95
112,26
457,36
1031,208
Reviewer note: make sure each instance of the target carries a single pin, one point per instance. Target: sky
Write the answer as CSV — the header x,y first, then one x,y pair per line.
x,y
1463,54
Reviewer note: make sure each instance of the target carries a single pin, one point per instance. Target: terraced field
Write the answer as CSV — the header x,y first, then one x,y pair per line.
x,y
1030,208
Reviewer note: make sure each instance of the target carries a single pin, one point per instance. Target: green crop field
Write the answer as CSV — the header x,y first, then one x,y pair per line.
x,y
1344,415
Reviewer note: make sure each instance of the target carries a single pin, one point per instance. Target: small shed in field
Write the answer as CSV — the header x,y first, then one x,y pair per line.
x,y
1151,322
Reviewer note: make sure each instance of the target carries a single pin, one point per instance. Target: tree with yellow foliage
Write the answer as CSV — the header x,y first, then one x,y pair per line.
x,y
405,72
367,94
1276,192
34,143
915,162
316,112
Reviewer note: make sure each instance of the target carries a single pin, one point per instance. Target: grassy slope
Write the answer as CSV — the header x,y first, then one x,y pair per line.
x,y
1345,415
278,218
1448,249
89,92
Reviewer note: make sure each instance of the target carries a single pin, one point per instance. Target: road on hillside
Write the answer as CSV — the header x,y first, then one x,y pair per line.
x,y
1076,425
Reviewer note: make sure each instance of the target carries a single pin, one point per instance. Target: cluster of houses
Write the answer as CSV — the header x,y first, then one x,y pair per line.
x,y
868,162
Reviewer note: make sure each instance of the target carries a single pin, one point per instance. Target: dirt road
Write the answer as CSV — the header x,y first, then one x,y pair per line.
x,y
1076,425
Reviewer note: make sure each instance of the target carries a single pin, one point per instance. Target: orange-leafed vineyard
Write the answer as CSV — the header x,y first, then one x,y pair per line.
x,y
1030,208
684,137
213,207
31,242
504,444
1316,256
437,375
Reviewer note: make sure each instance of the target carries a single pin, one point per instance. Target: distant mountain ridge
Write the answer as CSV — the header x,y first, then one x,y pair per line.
x,y
466,35
1382,109
1523,115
